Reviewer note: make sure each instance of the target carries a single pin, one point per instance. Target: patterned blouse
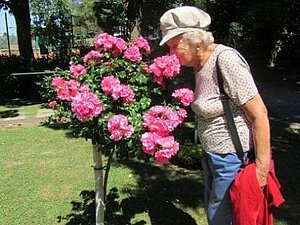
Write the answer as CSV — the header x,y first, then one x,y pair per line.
x,y
239,85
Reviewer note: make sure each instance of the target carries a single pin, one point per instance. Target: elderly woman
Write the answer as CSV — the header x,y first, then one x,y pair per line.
x,y
185,33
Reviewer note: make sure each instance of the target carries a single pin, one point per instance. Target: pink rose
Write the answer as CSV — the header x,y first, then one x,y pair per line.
x,y
142,43
92,56
67,90
113,87
182,114
119,127
132,53
165,66
86,105
104,41
120,44
57,82
127,94
52,104
148,140
109,84
168,148
184,95
77,70
161,119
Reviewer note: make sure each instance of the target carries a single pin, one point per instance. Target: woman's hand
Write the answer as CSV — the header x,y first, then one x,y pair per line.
x,y
261,175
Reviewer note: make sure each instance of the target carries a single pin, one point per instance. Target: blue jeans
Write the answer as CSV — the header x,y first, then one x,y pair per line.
x,y
219,172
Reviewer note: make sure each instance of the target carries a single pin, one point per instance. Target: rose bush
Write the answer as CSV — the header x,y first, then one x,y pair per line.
x,y
114,96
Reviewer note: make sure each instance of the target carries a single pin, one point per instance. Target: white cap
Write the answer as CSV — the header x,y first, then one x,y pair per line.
x,y
181,20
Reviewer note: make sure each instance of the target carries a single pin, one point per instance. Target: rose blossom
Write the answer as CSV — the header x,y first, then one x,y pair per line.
x,y
113,87
85,88
168,148
184,95
164,66
57,82
92,56
118,127
164,155
120,44
162,147
52,104
104,41
181,114
142,43
161,119
126,94
132,53
148,140
110,84
85,105
66,89
77,70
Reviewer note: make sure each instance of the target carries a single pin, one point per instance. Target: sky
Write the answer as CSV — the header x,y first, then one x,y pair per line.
x,y
10,21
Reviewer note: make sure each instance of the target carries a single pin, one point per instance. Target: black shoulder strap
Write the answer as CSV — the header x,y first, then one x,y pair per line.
x,y
228,114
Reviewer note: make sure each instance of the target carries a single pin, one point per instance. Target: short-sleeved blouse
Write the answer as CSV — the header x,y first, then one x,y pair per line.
x,y
240,87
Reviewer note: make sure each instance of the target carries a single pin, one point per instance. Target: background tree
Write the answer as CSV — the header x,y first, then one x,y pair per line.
x,y
268,28
84,19
20,10
132,17
52,22
289,32
111,15
262,30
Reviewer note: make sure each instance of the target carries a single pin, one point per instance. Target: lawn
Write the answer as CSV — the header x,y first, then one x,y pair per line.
x,y
46,178
46,175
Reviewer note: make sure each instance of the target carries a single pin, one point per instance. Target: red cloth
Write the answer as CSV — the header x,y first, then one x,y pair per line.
x,y
251,204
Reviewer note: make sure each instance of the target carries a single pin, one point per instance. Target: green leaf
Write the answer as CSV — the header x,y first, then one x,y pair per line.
x,y
130,143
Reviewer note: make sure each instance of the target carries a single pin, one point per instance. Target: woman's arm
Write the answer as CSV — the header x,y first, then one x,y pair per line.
x,y
256,112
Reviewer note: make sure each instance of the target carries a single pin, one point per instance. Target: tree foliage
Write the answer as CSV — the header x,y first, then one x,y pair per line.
x,y
267,28
52,21
110,15
84,20
127,15
20,9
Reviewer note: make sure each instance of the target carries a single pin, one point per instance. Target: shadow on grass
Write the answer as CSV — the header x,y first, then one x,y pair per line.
x,y
158,194
19,102
8,103
83,212
161,193
286,153
9,113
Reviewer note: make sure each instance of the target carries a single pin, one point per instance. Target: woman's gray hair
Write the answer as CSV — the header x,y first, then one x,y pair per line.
x,y
201,37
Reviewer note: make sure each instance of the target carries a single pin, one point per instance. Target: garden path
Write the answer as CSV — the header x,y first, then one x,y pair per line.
x,y
20,120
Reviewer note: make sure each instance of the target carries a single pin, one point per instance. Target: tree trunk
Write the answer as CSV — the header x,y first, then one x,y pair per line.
x,y
134,14
274,53
20,10
99,186
108,165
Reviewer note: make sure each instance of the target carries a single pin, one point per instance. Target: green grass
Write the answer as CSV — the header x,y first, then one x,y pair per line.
x,y
43,173
46,178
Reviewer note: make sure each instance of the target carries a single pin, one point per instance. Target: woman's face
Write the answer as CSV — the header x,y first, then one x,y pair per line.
x,y
185,52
